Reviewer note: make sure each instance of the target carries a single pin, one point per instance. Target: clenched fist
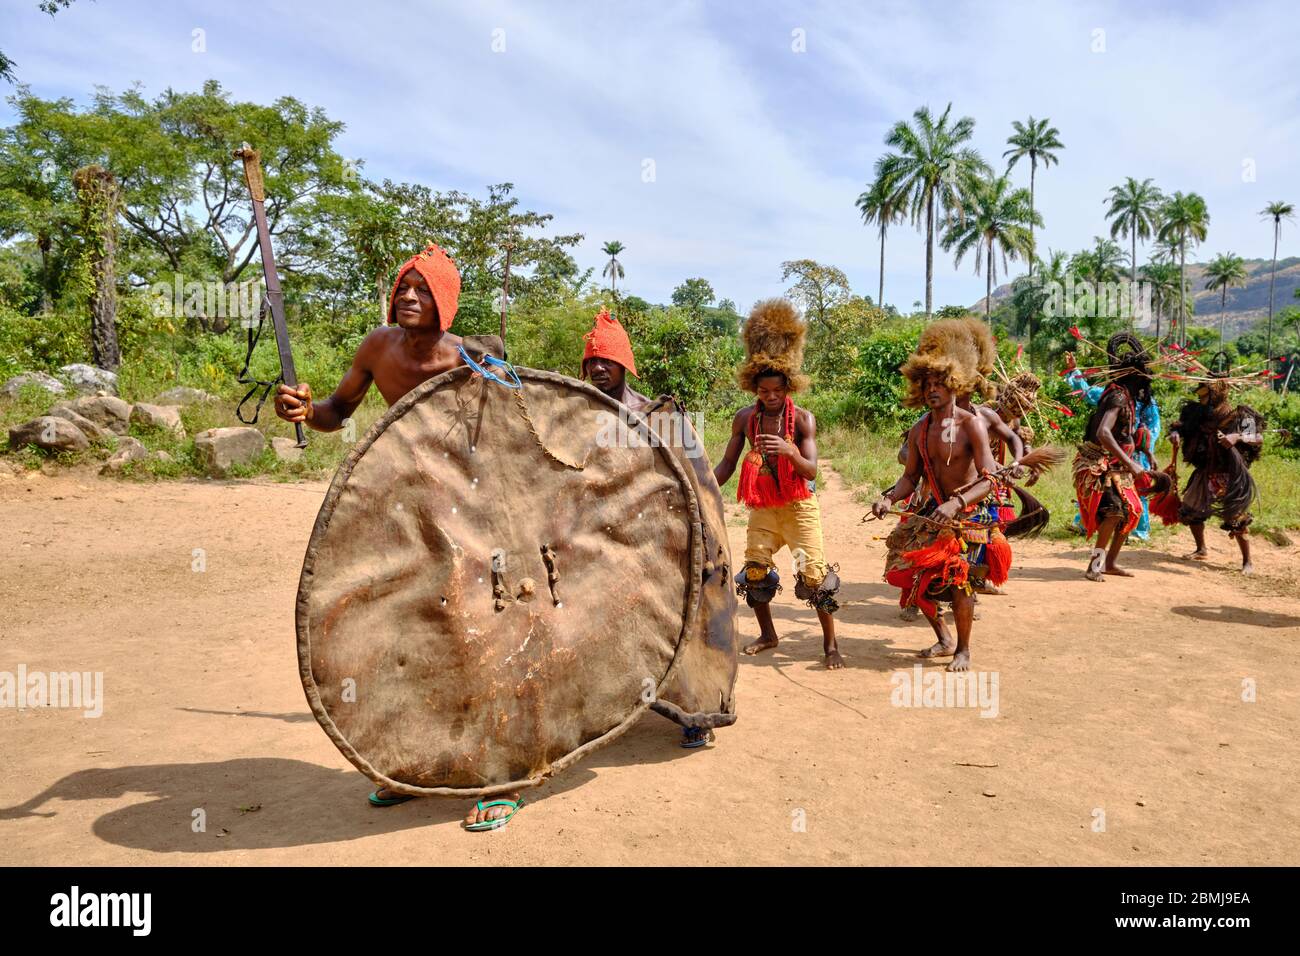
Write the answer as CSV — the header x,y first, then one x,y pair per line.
x,y
294,404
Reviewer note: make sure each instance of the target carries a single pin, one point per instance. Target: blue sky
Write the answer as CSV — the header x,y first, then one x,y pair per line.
x,y
759,151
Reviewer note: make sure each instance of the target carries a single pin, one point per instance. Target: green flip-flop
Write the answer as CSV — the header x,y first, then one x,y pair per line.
x,y
377,801
497,824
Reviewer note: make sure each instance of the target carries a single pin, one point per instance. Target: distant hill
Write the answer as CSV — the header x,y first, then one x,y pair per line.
x,y
1245,306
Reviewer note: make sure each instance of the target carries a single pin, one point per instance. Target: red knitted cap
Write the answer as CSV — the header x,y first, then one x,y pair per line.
x,y
440,274
608,340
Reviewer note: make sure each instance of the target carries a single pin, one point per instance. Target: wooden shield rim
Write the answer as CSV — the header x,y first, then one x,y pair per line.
x,y
340,480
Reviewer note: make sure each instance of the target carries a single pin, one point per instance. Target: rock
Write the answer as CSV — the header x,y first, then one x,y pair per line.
x,y
184,395
50,433
163,456
88,428
87,379
128,449
158,416
107,411
218,449
48,382
286,449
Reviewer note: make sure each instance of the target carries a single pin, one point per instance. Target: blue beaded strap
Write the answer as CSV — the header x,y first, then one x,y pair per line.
x,y
487,373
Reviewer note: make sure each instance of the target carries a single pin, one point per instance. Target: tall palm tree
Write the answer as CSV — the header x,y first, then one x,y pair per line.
x,y
1036,140
932,168
1101,263
998,217
1277,211
1183,219
879,205
613,268
1134,207
1224,271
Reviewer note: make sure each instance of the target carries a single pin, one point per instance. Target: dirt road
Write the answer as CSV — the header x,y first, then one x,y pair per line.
x,y
1121,734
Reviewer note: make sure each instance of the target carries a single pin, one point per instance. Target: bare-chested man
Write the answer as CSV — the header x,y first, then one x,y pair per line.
x,y
956,529
412,348
776,477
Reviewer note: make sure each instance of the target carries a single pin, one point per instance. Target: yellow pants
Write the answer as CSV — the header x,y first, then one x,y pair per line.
x,y
798,526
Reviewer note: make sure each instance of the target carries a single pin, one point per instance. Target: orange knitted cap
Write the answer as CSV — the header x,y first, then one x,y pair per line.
x,y
440,274
608,340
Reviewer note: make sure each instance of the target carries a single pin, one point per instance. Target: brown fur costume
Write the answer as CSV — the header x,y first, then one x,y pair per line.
x,y
948,347
774,336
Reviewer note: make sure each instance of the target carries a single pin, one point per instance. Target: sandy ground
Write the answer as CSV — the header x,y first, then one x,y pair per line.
x,y
1118,704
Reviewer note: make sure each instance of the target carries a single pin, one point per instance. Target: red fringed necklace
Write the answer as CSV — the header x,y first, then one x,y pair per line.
x,y
760,486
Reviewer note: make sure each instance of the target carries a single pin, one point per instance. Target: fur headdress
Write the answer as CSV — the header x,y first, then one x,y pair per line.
x,y
987,349
774,336
948,348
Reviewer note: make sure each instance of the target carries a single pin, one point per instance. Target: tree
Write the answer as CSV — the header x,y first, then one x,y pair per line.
x,y
1134,207
1183,219
933,169
1030,295
1224,271
1036,140
999,218
727,305
1277,211
693,295
613,268
98,194
818,288
880,205
1162,279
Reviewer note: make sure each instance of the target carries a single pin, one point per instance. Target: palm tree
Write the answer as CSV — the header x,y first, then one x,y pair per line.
x,y
998,216
1134,207
1183,219
1225,271
613,268
1162,278
1277,211
1036,140
932,166
1031,294
878,206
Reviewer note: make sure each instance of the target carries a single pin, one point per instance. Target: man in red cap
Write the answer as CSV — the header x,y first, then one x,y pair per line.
x,y
608,358
412,347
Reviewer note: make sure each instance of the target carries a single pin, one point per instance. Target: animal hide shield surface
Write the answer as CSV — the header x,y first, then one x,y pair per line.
x,y
498,583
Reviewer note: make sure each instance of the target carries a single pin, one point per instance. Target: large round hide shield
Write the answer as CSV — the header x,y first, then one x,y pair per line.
x,y
500,581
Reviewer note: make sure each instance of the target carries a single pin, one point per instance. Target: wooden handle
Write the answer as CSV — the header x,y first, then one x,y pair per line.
x,y
252,171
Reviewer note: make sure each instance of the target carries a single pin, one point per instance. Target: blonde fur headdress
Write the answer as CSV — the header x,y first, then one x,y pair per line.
x,y
951,348
774,337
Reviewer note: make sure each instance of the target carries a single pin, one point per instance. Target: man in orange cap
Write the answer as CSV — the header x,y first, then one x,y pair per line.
x,y
608,358
411,347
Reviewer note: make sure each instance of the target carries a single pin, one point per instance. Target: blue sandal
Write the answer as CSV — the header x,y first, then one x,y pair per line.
x,y
693,737
377,801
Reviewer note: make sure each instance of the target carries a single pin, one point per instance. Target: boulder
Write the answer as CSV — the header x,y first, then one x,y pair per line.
x,y
107,411
128,449
87,379
158,416
50,433
163,456
48,382
219,449
184,395
88,428
286,449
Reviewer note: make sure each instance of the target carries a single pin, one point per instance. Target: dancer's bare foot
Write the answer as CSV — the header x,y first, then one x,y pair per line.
x,y
760,645
1247,568
986,588
960,661
938,649
1200,554
833,660
1092,574
1118,572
